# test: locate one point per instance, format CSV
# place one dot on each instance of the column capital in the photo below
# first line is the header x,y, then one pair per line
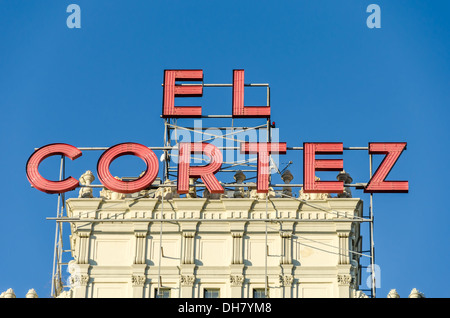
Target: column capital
x,y
237,280
187,280
138,280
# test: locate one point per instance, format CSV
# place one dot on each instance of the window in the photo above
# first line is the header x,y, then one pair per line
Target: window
x,y
211,293
259,293
163,293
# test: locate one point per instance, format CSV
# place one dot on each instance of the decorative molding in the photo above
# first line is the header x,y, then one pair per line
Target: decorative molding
x,y
237,248
79,280
286,248
344,280
416,294
140,234
138,280
188,255
393,294
83,247
359,294
236,234
344,257
140,247
286,280
237,280
187,280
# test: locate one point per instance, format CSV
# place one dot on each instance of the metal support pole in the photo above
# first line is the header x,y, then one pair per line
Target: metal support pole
x,y
372,247
160,244
56,269
166,144
266,292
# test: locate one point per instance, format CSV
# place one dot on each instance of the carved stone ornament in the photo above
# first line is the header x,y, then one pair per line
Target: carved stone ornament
x,y
65,294
262,196
237,280
286,280
138,280
187,280
344,280
359,294
8,294
31,294
393,294
79,280
212,196
168,191
416,294
313,196
111,195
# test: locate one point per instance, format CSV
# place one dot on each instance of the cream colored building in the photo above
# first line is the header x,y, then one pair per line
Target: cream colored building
x,y
237,245
240,244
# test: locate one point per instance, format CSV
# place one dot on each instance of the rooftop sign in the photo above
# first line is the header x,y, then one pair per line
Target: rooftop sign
x,y
263,150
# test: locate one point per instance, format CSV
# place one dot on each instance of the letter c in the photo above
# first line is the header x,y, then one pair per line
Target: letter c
x,y
42,184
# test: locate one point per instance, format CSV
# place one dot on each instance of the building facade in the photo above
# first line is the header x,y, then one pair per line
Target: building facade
x,y
239,244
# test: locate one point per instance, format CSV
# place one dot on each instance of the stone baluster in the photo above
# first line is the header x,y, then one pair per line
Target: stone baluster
x,y
86,180
192,189
345,177
287,178
239,177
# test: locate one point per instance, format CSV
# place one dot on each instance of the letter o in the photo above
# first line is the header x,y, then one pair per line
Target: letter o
x,y
119,150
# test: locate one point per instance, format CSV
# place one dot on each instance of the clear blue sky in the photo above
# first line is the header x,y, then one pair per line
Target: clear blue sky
x,y
332,79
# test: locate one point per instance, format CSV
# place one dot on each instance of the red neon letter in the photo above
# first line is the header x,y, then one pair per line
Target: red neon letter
x,y
40,182
392,150
119,150
171,91
263,149
206,173
239,110
311,165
